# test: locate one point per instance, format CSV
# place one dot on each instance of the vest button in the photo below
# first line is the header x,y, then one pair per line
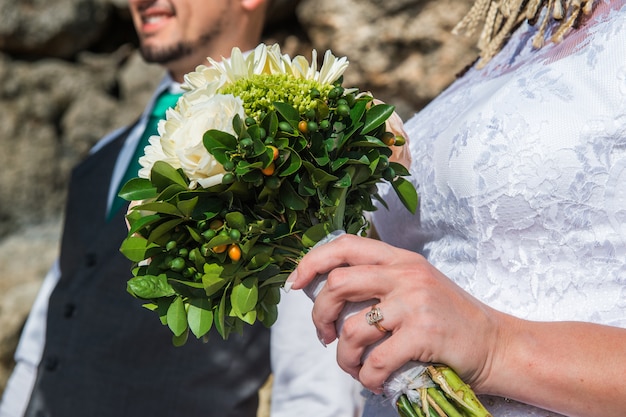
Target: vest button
x,y
51,363
69,310
90,259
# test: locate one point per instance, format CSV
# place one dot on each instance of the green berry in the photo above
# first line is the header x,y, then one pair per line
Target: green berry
x,y
208,234
229,165
178,264
235,234
228,178
246,143
285,127
343,110
389,174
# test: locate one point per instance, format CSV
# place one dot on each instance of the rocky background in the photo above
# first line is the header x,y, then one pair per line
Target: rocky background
x,y
70,72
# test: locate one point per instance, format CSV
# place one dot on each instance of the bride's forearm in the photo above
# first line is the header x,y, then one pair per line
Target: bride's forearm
x,y
574,368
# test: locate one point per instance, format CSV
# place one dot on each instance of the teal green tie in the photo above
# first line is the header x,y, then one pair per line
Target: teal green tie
x,y
162,103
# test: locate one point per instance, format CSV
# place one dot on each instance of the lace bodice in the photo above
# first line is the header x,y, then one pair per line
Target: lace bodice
x,y
521,171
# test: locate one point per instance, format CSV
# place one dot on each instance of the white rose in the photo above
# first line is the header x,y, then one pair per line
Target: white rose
x,y
180,142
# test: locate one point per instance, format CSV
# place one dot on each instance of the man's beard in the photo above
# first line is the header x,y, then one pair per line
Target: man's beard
x,y
166,54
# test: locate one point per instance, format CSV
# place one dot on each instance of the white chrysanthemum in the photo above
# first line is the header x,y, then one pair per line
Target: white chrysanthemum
x,y
204,106
180,137
208,80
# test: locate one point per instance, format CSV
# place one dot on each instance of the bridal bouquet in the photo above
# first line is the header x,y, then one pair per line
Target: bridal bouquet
x,y
262,157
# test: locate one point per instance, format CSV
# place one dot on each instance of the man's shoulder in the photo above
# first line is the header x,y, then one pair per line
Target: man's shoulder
x,y
111,136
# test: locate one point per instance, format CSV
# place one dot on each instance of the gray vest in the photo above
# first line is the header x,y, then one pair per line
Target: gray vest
x,y
107,356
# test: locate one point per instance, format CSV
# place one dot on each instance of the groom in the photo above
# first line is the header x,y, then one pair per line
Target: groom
x,y
89,348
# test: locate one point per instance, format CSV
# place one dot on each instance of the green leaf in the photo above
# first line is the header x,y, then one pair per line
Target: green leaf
x,y
177,317
171,191
161,207
236,220
216,139
270,316
194,233
186,288
163,229
270,123
306,187
407,193
276,279
199,317
399,169
162,305
137,221
150,287
245,167
319,177
212,279
244,296
369,141
220,240
239,126
293,163
288,112
338,163
186,207
220,318
163,175
249,317
314,234
135,247
344,181
357,111
376,116
138,189
179,341
290,198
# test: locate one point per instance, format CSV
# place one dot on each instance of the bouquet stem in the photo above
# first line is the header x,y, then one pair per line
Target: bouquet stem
x,y
450,397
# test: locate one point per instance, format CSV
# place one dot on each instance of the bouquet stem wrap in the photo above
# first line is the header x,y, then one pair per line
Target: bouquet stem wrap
x,y
416,389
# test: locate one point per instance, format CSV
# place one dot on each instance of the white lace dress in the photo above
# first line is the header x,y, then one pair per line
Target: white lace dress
x,y
521,171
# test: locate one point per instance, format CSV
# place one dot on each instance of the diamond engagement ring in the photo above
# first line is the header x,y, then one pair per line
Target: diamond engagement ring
x,y
374,316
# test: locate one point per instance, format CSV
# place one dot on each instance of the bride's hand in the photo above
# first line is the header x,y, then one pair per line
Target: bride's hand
x,y
430,318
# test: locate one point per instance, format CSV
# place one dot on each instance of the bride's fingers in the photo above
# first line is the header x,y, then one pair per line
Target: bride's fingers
x,y
345,250
350,284
357,335
384,359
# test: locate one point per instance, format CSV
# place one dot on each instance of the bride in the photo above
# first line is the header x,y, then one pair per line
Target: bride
x,y
514,270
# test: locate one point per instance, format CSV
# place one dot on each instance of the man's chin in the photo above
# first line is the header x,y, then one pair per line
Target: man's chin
x,y
164,55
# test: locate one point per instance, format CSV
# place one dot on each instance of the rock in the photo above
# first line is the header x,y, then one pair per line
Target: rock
x,y
401,50
58,28
24,260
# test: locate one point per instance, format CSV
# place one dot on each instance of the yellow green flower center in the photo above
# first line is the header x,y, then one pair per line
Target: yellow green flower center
x,y
259,91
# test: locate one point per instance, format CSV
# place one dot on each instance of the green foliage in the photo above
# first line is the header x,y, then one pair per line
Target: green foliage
x,y
217,257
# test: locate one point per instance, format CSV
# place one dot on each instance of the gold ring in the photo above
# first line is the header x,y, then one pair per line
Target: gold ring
x,y
374,316
380,327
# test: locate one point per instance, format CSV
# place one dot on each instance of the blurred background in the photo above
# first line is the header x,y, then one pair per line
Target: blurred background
x,y
70,72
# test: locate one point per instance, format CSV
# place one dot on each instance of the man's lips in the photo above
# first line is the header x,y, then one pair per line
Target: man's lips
x,y
153,18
